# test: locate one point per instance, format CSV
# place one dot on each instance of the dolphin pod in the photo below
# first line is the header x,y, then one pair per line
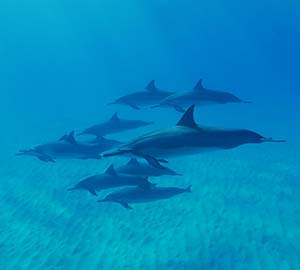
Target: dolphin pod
x,y
185,138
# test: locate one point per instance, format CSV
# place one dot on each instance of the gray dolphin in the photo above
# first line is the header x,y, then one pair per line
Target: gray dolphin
x,y
199,95
149,96
186,138
114,125
68,148
134,167
110,179
142,195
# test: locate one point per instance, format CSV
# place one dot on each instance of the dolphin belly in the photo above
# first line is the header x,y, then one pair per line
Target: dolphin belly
x,y
174,152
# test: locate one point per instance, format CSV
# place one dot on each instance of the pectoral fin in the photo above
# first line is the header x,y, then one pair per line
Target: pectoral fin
x,y
125,205
151,160
93,192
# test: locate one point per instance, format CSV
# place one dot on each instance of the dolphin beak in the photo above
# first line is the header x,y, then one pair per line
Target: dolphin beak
x,y
247,101
112,103
22,152
272,140
71,189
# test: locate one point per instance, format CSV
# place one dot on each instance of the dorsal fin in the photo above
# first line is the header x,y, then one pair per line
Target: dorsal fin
x,y
133,161
115,117
187,120
111,170
69,138
151,86
199,85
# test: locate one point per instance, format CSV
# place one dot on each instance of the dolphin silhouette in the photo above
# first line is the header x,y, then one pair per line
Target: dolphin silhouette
x,y
186,138
141,195
149,96
67,147
110,179
199,95
114,125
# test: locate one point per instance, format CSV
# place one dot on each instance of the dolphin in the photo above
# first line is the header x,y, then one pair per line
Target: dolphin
x,y
110,179
114,125
149,96
142,195
199,95
186,138
68,148
134,167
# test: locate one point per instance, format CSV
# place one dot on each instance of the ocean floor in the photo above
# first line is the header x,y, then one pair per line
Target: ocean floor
x,y
243,213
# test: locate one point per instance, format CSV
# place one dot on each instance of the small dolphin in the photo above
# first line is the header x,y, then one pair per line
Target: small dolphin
x,y
68,148
142,195
149,96
186,138
198,96
134,167
110,179
114,125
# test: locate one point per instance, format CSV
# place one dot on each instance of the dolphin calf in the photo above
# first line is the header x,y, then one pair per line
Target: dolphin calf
x,y
110,179
68,148
199,95
134,167
141,195
114,125
186,138
149,96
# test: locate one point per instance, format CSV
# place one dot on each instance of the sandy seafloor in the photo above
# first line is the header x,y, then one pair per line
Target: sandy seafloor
x,y
243,214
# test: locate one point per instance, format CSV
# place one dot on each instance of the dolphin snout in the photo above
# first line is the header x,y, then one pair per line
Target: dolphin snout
x,y
23,152
247,101
112,103
72,188
272,140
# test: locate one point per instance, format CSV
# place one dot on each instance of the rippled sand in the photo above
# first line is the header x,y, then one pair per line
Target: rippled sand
x,y
243,214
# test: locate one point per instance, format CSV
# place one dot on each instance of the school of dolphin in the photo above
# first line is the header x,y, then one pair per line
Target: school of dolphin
x,y
154,149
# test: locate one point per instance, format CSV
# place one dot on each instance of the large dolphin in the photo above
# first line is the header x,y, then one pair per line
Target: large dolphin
x,y
199,95
149,96
68,148
114,125
186,138
141,195
134,167
110,179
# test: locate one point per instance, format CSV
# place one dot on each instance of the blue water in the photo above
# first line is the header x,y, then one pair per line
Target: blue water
x,y
62,61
